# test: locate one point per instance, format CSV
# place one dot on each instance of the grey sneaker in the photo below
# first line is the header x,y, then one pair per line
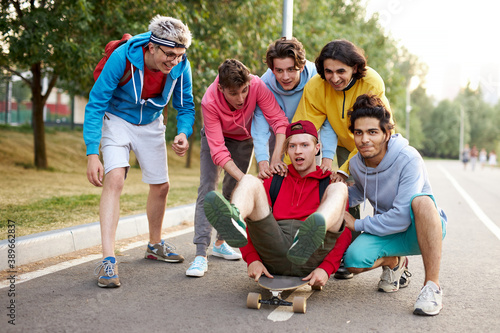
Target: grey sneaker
x,y
390,278
226,219
107,272
163,251
308,238
430,300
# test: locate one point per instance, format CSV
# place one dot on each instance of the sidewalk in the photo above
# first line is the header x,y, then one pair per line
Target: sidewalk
x,y
53,243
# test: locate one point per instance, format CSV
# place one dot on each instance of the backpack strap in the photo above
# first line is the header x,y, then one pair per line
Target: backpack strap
x,y
323,184
275,188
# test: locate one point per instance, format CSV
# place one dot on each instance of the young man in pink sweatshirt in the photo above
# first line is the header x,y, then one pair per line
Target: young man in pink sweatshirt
x,y
226,143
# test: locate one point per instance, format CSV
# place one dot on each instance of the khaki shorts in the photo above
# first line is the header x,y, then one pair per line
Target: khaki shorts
x,y
272,239
119,137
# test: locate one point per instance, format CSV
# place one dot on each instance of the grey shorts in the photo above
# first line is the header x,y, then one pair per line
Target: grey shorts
x,y
119,137
272,239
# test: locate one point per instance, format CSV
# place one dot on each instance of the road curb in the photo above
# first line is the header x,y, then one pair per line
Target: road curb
x,y
53,243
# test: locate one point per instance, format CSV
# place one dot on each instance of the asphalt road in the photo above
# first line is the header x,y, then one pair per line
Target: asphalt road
x,y
158,297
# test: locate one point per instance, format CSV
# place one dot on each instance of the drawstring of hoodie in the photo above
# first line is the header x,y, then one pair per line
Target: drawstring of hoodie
x,y
243,127
364,189
300,192
133,81
376,191
182,90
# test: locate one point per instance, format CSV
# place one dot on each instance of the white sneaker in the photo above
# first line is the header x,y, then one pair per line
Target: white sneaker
x,y
430,300
390,278
198,267
226,252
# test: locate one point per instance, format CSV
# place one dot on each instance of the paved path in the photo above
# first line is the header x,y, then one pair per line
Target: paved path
x,y
159,297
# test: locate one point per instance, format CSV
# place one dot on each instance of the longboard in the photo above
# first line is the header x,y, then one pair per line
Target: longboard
x,y
276,286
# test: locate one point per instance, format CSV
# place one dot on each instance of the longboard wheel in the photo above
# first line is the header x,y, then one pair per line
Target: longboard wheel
x,y
299,304
253,301
318,288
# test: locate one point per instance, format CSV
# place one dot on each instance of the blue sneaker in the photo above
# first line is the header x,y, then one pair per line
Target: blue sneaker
x,y
198,267
308,238
226,219
107,272
225,251
163,251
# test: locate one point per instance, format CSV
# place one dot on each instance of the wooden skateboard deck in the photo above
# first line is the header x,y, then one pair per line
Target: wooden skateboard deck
x,y
281,282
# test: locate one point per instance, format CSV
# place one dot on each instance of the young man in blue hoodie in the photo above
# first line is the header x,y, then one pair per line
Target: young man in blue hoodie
x,y
406,221
288,73
123,117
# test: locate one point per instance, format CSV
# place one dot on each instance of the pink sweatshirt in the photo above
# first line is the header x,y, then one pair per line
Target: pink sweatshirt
x,y
220,121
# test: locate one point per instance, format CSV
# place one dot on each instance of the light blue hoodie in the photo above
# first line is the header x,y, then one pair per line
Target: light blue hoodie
x,y
389,187
125,101
288,100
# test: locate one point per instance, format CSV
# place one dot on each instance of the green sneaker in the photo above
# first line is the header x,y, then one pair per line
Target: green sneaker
x,y
308,238
226,219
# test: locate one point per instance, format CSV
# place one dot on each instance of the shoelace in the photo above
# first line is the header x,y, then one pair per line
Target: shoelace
x,y
167,247
387,274
109,268
197,263
427,294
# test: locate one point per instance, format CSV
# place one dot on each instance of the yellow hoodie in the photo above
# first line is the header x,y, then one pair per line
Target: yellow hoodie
x,y
320,101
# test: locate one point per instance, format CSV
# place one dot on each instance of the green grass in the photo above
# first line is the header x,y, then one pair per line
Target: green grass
x,y
42,200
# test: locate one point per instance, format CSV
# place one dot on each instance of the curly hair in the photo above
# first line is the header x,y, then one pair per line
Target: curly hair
x,y
372,107
345,52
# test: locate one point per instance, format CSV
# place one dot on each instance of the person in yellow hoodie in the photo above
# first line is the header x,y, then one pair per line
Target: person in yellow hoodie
x,y
342,76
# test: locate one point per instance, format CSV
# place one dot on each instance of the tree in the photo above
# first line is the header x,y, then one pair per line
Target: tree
x,y
441,127
62,40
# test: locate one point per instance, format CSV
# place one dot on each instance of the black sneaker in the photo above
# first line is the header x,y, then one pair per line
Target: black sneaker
x,y
342,273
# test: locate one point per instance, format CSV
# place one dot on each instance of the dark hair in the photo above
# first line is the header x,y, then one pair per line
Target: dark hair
x,y
345,52
286,48
372,107
233,74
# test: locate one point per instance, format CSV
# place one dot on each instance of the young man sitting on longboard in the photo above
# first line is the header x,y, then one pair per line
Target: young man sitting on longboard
x,y
295,233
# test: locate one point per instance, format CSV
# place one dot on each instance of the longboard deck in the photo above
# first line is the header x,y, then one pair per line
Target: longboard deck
x,y
281,282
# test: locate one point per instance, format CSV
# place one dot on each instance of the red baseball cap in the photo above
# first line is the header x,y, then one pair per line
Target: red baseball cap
x,y
301,126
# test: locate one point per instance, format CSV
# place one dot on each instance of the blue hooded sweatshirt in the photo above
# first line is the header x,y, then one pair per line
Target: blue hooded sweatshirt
x,y
389,187
125,101
288,100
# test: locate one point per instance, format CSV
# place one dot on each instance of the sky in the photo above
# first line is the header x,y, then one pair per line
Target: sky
x,y
458,40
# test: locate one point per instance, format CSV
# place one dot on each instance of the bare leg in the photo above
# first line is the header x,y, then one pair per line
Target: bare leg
x,y
391,262
430,236
333,205
157,201
109,209
250,198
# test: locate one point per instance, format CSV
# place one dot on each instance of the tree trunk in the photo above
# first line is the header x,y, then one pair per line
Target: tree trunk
x,y
37,118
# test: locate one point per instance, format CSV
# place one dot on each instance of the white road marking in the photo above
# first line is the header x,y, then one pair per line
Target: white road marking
x,y
473,205
283,313
67,264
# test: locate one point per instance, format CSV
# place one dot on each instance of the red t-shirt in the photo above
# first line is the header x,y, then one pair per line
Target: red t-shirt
x,y
154,82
